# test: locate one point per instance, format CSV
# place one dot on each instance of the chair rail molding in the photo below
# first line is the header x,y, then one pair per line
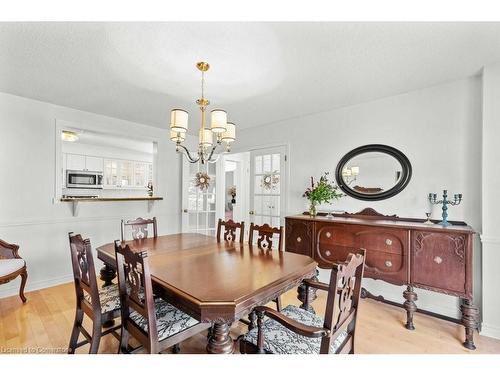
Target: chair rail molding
x,y
490,239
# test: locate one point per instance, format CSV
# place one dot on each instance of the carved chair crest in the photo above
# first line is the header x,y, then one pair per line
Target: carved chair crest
x,y
265,236
230,228
139,228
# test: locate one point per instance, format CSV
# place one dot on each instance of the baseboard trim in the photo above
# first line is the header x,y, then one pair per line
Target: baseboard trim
x,y
35,285
490,331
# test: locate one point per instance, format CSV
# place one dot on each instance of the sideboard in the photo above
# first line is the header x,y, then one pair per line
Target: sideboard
x,y
399,251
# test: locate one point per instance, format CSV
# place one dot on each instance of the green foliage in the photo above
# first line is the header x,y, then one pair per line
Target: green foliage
x,y
322,191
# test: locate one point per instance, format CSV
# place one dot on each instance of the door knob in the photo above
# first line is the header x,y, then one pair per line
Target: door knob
x,y
252,213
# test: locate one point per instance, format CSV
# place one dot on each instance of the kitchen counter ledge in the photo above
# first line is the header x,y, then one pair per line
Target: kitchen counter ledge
x,y
76,201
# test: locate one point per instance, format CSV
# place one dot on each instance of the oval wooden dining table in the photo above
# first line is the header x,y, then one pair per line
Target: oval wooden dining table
x,y
214,282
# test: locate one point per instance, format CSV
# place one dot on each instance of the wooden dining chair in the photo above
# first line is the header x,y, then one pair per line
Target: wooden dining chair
x,y
100,305
298,331
230,228
139,228
12,266
265,239
155,323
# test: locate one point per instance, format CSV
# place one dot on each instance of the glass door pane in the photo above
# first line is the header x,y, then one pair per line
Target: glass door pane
x,y
199,203
267,195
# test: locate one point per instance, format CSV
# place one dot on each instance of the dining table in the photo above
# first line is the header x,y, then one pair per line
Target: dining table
x,y
214,282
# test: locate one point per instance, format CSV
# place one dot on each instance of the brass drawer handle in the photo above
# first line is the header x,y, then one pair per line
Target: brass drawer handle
x,y
388,242
388,263
438,260
328,253
299,239
328,234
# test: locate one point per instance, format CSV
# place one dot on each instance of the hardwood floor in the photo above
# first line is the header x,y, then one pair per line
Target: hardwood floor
x,y
43,325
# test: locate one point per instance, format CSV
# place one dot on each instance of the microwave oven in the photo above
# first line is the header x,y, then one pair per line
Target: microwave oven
x,y
84,179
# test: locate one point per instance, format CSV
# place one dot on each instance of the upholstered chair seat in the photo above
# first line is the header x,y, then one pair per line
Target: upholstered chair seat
x,y
9,266
169,320
280,340
109,296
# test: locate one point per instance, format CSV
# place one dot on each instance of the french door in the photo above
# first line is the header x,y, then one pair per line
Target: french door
x,y
199,203
267,185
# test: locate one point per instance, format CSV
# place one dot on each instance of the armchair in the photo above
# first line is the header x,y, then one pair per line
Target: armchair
x,y
298,331
12,265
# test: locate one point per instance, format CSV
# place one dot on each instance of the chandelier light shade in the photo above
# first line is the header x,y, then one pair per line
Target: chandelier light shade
x,y
230,134
219,121
179,120
177,136
206,139
209,138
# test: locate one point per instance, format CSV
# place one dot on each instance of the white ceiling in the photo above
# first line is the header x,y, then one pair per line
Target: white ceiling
x,y
261,72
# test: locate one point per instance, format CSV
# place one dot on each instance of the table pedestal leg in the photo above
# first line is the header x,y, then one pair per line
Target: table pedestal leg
x,y
220,342
301,295
107,275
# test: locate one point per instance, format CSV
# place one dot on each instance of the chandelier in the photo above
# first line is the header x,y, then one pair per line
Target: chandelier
x,y
220,130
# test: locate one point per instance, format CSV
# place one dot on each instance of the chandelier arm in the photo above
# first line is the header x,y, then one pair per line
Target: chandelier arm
x,y
212,151
187,153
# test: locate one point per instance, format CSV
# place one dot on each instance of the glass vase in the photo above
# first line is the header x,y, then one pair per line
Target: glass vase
x,y
312,210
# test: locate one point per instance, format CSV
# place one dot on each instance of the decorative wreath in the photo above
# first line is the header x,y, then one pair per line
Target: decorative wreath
x,y
202,180
269,181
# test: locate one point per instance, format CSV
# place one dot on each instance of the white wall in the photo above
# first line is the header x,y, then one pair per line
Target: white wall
x,y
105,152
439,130
28,215
490,202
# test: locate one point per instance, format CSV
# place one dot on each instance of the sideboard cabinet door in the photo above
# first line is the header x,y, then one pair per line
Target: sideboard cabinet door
x,y
439,262
299,236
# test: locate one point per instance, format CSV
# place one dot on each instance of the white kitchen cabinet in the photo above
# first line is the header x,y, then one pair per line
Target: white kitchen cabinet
x,y
94,164
75,162
84,163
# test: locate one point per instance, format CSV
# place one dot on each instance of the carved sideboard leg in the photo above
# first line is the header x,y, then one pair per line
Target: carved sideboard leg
x,y
220,342
301,295
470,315
410,296
107,275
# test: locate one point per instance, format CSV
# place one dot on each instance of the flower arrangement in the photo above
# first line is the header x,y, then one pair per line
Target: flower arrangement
x,y
323,191
232,192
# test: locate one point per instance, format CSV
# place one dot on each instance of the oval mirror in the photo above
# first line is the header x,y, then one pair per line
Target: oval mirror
x,y
373,172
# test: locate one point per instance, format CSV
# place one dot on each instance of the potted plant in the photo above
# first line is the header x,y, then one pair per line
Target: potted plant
x,y
323,191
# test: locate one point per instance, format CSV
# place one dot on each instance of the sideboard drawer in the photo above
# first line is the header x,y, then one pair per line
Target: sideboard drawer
x,y
386,249
381,239
439,261
299,237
